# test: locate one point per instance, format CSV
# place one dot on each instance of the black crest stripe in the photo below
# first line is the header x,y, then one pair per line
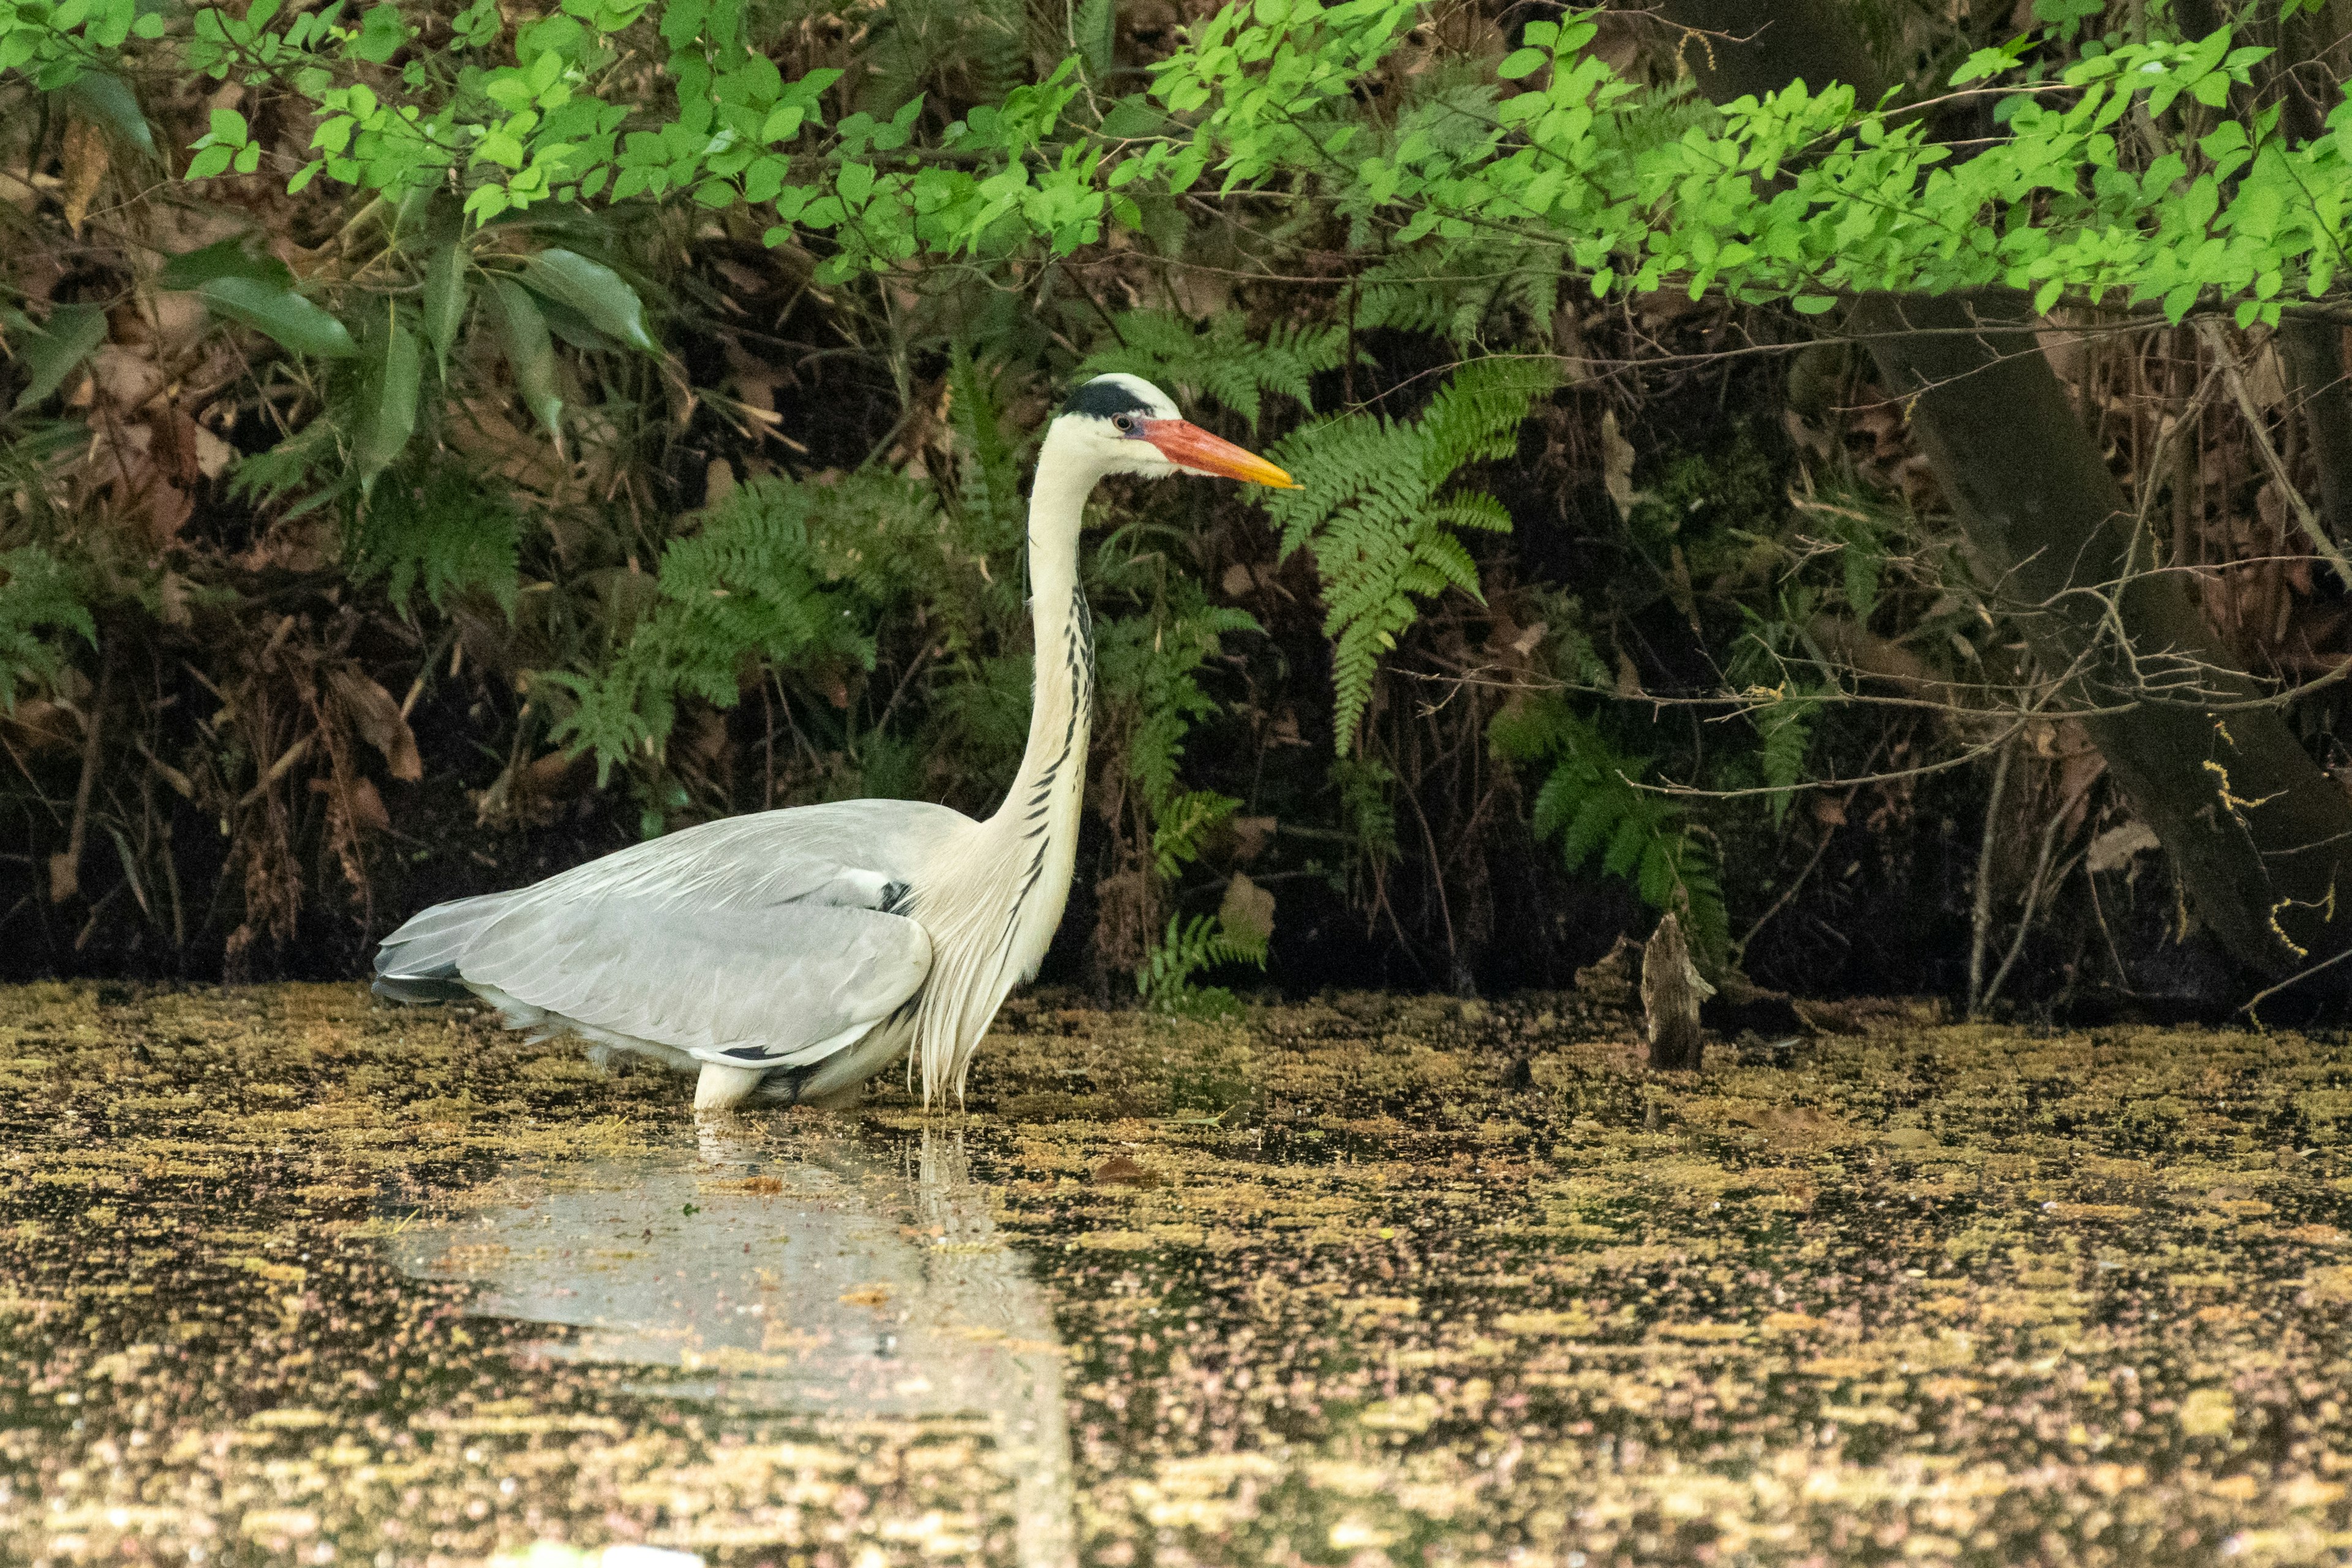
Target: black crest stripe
x,y
1103,399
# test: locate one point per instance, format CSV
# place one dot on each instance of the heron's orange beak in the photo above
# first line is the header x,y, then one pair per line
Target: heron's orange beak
x,y
1189,448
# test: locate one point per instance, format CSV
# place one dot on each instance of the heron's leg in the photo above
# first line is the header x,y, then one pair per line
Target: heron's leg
x,y
721,1088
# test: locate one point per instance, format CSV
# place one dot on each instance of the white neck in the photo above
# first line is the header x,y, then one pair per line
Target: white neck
x,y
1053,763
993,919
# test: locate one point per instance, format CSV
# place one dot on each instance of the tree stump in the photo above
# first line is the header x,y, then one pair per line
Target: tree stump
x,y
1672,989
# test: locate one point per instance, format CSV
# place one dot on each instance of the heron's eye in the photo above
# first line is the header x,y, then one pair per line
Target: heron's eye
x,y
1122,422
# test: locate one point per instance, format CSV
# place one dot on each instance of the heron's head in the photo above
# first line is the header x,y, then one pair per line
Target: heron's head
x,y
1124,425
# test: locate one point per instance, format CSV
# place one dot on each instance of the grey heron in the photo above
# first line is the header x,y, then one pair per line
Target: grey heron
x,y
790,955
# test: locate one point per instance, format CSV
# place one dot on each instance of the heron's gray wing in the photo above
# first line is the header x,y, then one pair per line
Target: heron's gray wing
x,y
419,963
738,982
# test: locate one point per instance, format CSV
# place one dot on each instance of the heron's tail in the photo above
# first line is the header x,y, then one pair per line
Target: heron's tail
x,y
419,963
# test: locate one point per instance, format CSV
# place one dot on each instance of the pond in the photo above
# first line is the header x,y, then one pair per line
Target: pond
x,y
290,1278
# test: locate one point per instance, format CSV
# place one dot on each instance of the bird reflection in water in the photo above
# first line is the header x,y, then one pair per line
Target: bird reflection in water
x,y
825,1275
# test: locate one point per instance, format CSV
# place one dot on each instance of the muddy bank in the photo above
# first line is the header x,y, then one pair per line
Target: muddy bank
x,y
286,1277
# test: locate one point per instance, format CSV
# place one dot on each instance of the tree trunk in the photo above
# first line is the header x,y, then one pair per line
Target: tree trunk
x,y
2258,833
2313,350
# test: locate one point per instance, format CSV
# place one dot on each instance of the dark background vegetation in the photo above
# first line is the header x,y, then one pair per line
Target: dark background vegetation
x,y
295,714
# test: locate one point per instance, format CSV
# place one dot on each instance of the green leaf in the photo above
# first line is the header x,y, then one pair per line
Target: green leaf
x,y
388,404
445,299
531,354
596,291
380,36
105,98
223,259
1522,62
49,354
281,313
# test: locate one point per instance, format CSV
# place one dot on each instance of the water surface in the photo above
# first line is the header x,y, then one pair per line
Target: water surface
x,y
288,1278
767,1269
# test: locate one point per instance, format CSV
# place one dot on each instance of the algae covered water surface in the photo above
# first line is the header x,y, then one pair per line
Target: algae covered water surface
x,y
288,1278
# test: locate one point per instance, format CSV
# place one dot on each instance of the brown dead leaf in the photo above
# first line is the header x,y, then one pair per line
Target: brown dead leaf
x,y
528,797
125,377
168,508
717,481
1119,1170
1617,464
85,161
1247,908
39,726
174,594
2119,845
174,445
361,802
213,455
1250,836
377,718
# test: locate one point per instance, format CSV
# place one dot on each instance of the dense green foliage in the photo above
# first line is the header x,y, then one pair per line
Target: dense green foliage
x,y
652,383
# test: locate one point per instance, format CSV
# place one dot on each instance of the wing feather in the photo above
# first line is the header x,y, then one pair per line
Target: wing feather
x,y
788,984
761,938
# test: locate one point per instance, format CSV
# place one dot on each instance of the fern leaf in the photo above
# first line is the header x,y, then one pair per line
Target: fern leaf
x,y
1787,729
1094,27
745,590
1374,510
1590,804
1598,812
39,598
447,533
1631,836
1222,359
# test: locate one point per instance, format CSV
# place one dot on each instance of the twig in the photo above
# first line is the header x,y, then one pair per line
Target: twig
x,y
278,770
1981,918
65,868
2032,899
2210,331
2259,997
1829,831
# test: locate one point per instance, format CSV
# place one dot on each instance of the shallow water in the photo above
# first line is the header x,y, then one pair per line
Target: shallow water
x,y
763,1268
288,1278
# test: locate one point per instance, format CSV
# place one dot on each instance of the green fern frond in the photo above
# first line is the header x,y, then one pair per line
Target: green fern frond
x,y
1769,664
1187,947
39,597
275,476
1478,413
1372,506
446,533
1179,827
970,51
987,488
1589,802
1462,291
1786,729
1367,810
747,588
1094,28
1148,666
1224,360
